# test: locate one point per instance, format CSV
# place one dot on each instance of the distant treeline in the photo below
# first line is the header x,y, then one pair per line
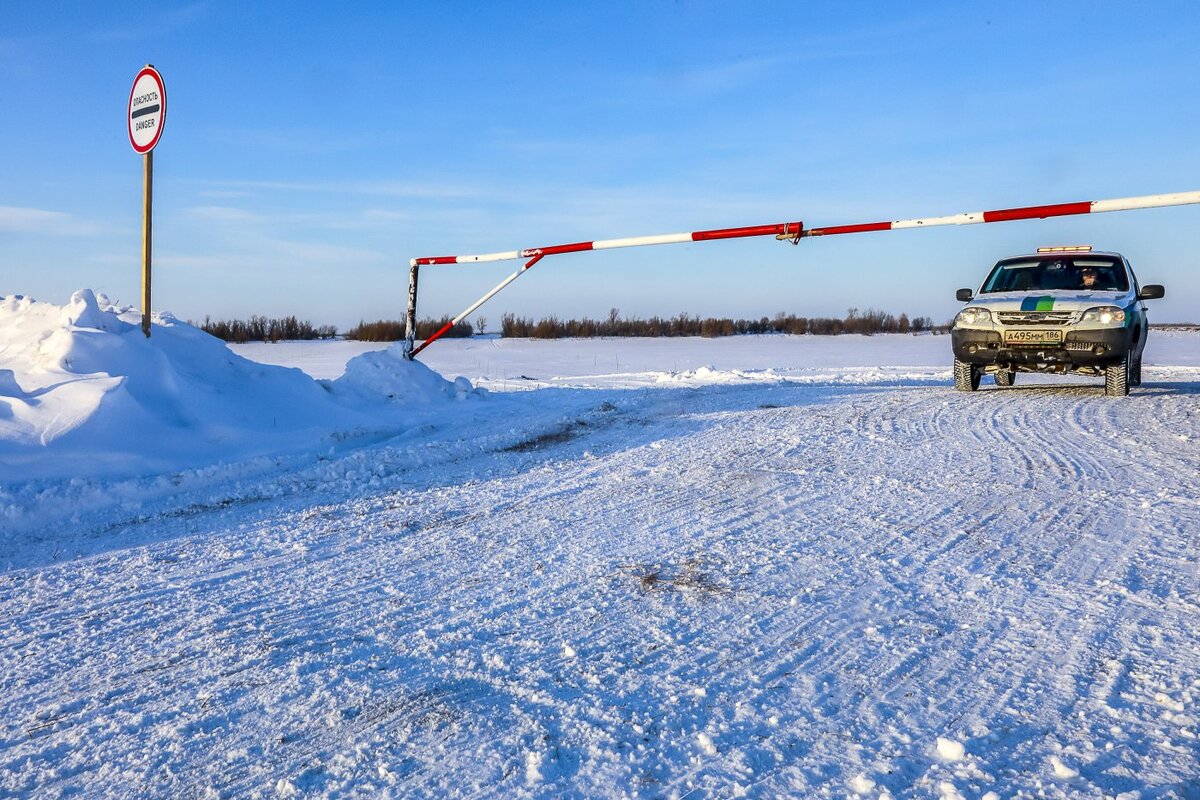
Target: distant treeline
x,y
387,330
855,321
264,329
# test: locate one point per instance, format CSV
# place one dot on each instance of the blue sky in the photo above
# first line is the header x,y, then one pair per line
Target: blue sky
x,y
311,149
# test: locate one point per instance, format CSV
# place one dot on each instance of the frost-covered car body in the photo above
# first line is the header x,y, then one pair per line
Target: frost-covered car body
x,y
1057,310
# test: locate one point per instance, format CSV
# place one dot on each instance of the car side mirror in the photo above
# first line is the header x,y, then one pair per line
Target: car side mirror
x,y
966,295
1151,291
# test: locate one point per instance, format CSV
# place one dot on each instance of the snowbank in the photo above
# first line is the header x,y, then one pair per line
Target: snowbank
x,y
387,375
84,393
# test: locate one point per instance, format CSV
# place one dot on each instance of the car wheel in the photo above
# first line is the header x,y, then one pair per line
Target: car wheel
x,y
1006,377
966,376
1116,378
1135,373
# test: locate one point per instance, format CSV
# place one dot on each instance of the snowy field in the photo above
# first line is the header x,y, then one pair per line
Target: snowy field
x,y
763,566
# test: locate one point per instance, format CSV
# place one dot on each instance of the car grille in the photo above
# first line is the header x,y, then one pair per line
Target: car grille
x,y
1034,317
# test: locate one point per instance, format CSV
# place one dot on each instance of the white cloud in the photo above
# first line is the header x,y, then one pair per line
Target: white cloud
x,y
223,214
726,77
386,188
322,253
219,194
37,220
364,219
154,23
197,262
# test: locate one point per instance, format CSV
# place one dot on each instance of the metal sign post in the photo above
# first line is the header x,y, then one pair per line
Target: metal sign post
x,y
785,231
145,117
147,223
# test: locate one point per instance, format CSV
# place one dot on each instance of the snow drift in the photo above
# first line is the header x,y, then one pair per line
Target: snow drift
x,y
84,393
387,375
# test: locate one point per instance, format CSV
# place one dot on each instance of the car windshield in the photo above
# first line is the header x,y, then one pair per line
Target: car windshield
x,y
1037,274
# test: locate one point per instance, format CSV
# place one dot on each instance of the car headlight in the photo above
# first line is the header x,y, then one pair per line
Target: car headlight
x,y
973,316
1104,315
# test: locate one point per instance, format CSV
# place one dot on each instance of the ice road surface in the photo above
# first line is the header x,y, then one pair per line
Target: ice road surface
x,y
769,567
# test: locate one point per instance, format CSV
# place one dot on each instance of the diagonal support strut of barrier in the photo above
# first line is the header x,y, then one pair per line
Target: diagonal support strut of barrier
x,y
467,311
786,231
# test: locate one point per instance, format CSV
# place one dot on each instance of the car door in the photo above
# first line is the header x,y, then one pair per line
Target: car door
x,y
1138,309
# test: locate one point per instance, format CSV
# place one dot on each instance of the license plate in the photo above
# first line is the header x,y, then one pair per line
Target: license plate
x,y
1033,337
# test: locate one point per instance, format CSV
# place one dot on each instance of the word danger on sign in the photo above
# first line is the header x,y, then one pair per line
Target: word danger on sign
x,y
147,110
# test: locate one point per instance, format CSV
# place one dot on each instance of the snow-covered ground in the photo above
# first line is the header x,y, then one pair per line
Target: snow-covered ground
x,y
516,364
772,566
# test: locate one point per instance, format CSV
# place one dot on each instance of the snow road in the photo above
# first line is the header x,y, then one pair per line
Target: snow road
x,y
770,588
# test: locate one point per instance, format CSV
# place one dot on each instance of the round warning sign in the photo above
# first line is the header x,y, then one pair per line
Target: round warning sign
x,y
147,109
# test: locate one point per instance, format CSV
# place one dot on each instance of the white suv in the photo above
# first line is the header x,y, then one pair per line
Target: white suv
x,y
1061,309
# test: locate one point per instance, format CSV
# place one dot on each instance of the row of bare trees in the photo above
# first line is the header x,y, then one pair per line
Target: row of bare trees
x,y
263,329
855,321
266,329
392,330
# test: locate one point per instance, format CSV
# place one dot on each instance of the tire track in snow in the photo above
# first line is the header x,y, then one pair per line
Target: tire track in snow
x,y
900,511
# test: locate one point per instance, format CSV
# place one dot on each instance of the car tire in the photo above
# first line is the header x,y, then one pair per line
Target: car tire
x,y
966,376
1006,377
1135,373
1116,378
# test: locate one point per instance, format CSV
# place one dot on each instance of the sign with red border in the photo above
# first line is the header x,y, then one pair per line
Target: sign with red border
x,y
147,110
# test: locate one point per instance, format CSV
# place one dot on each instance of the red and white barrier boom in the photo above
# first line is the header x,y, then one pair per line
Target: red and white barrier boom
x,y
785,231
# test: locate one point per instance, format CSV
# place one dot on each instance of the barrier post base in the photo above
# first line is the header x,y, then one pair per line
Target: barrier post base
x,y
410,319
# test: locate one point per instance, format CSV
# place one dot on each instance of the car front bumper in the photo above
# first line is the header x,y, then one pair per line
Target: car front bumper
x,y
1090,348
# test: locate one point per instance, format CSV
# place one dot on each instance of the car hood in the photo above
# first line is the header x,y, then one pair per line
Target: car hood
x,y
1051,301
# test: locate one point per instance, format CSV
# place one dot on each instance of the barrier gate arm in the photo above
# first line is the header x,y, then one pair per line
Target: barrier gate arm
x,y
786,231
